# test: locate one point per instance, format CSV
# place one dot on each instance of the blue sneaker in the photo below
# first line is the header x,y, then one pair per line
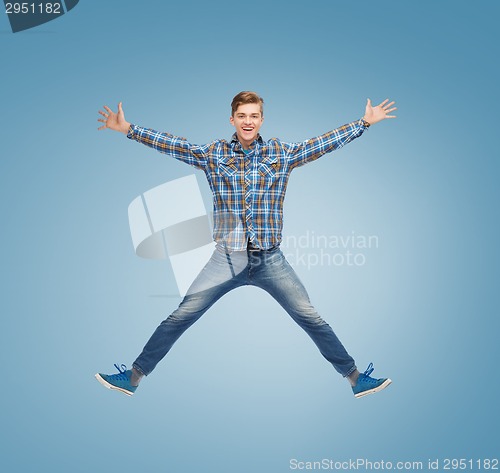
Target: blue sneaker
x,y
367,385
120,381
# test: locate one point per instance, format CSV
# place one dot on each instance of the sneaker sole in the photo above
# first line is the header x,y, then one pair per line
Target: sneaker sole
x,y
110,386
374,390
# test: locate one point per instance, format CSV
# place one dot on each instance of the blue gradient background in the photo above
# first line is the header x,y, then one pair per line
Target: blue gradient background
x,y
245,390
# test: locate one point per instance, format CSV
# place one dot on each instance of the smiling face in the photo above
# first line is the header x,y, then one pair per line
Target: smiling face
x,y
247,119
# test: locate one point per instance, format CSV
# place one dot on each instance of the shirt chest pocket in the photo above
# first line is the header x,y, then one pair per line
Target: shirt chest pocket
x,y
268,168
227,167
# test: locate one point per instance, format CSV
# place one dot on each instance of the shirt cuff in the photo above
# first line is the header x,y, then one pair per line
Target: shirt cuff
x,y
364,124
131,132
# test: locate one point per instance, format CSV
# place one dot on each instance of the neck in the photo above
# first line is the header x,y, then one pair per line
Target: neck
x,y
244,144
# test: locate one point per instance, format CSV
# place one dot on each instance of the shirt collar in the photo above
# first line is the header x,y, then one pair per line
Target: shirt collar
x,y
234,139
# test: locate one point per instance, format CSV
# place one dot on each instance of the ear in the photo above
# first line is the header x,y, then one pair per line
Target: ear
x,y
231,120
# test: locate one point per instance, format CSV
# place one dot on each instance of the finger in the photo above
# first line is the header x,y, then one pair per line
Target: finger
x,y
384,102
108,109
368,103
390,104
391,109
102,127
101,120
390,116
120,107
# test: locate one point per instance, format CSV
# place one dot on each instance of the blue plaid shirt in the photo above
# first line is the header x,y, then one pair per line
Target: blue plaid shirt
x,y
248,188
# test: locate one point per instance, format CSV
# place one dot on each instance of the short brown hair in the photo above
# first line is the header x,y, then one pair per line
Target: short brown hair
x,y
246,97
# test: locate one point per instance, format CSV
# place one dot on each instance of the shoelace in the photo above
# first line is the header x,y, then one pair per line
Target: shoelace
x,y
367,374
121,372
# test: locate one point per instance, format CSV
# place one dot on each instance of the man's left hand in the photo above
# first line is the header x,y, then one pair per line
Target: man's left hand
x,y
379,112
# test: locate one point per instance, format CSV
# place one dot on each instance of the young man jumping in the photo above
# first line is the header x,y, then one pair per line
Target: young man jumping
x,y
248,178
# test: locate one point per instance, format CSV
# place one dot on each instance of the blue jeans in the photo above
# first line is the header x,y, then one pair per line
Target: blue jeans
x,y
267,269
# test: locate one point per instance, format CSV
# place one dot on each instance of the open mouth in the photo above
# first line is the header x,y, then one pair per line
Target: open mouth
x,y
248,129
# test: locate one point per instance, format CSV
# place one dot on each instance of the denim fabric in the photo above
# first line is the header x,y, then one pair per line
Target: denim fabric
x,y
267,269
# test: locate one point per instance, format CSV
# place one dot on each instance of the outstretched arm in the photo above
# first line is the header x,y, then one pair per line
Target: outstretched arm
x,y
378,113
302,153
175,146
114,121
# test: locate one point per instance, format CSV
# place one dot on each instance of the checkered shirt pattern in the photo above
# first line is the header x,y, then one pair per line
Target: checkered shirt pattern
x,y
248,188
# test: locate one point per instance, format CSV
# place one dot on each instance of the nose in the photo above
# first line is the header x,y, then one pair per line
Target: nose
x,y
247,120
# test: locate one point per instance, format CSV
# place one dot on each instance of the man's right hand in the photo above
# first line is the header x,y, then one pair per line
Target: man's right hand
x,y
114,121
